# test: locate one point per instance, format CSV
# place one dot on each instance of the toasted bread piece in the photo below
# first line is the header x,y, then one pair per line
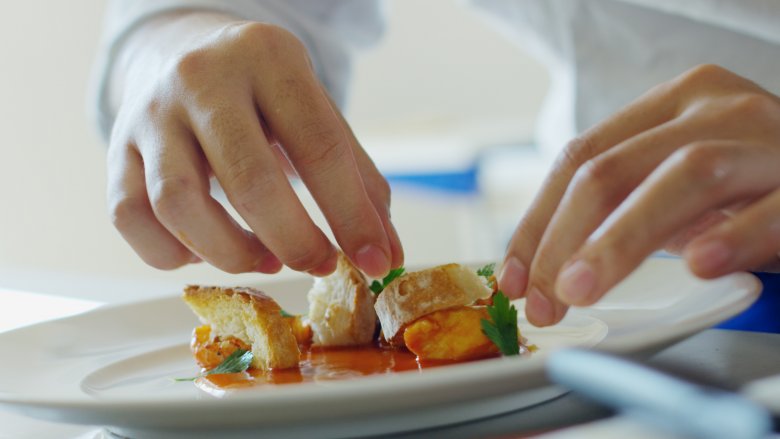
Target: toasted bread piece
x,y
450,334
248,315
341,307
416,294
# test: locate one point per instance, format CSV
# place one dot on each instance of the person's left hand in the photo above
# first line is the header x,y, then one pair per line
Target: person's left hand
x,y
693,165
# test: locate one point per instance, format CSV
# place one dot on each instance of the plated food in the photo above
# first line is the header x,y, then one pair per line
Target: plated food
x,y
440,315
113,366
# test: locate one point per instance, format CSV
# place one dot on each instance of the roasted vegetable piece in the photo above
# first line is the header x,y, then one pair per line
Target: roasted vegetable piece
x,y
210,353
453,334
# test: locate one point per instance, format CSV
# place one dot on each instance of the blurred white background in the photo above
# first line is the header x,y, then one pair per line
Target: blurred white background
x,y
457,86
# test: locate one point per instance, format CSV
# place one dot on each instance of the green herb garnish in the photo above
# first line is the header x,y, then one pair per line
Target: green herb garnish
x,y
285,313
377,287
501,329
238,361
487,272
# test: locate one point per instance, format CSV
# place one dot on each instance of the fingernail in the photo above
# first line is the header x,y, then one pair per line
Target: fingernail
x,y
327,267
194,259
576,283
538,308
710,256
512,278
373,261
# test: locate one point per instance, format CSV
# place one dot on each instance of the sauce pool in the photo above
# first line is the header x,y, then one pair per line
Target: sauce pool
x,y
328,364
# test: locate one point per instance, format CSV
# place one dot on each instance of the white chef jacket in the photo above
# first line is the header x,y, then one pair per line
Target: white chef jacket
x,y
601,54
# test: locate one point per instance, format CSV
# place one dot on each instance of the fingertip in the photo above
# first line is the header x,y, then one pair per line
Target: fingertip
x,y
373,260
166,256
327,267
576,284
512,278
539,309
708,258
270,264
560,312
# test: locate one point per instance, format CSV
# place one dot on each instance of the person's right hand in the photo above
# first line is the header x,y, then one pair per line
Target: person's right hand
x,y
203,95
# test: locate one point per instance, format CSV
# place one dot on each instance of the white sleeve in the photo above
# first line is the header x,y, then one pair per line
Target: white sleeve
x,y
330,29
755,18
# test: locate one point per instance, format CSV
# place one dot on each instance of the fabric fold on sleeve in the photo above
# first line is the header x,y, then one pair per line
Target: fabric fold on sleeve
x,y
757,19
331,30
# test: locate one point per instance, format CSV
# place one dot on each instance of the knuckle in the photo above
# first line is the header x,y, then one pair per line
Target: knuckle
x,y
702,74
596,181
245,177
326,148
257,32
578,151
594,173
190,66
704,164
275,42
171,196
153,109
124,211
383,191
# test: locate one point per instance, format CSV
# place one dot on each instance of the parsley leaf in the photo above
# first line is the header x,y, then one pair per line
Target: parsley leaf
x,y
377,287
285,313
501,329
488,272
238,361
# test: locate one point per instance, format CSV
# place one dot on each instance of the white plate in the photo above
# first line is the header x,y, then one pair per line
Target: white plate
x,y
766,392
114,366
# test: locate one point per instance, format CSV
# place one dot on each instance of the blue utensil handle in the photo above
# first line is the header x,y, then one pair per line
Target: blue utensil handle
x,y
657,398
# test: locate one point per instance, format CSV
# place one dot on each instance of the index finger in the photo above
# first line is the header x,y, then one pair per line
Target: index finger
x,y
652,109
299,113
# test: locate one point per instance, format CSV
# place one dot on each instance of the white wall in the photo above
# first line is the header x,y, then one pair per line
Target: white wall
x,y
51,186
442,70
423,81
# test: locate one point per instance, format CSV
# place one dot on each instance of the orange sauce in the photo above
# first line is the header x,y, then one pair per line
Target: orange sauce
x,y
327,364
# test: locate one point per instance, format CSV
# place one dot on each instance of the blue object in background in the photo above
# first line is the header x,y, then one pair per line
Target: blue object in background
x,y
461,181
764,315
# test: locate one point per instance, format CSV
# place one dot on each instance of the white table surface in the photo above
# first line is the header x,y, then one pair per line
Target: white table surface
x,y
727,359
